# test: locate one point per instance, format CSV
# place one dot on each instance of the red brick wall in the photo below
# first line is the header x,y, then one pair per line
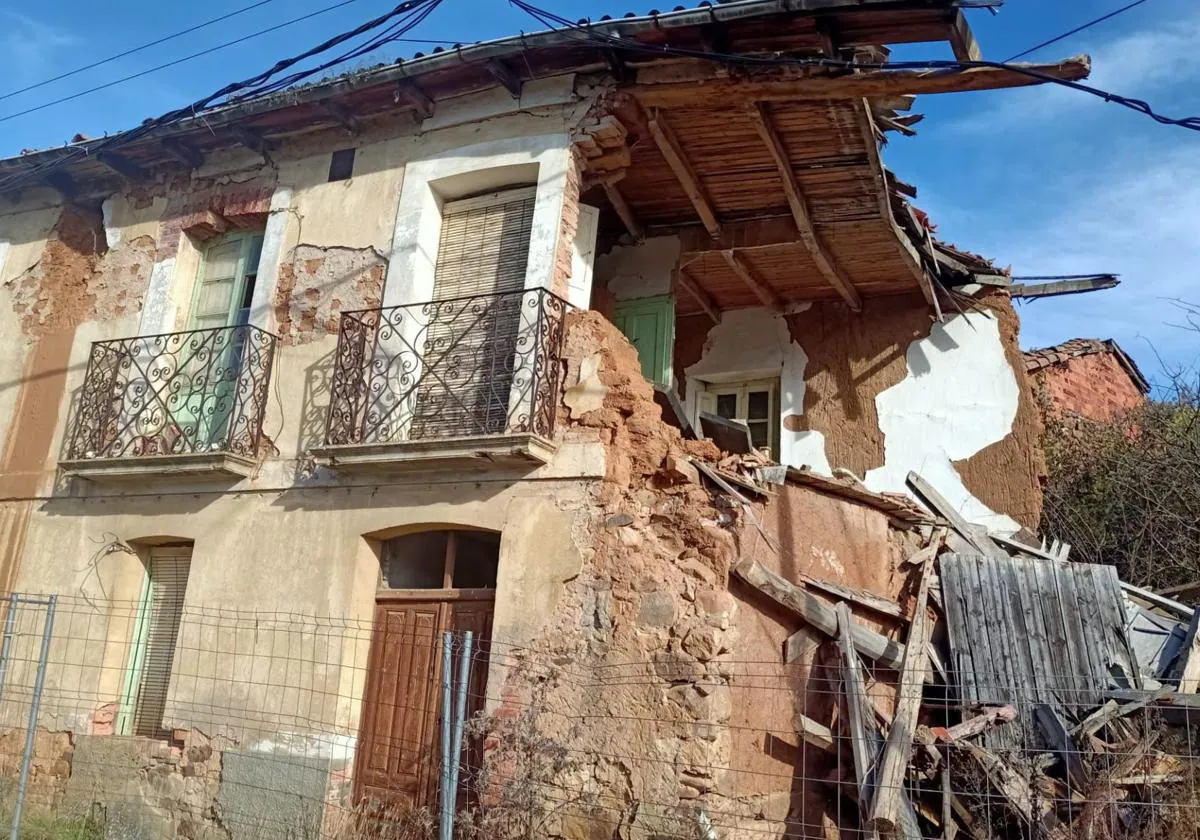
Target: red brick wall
x,y
1095,387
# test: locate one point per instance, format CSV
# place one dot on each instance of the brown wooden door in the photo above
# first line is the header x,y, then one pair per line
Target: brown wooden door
x,y
399,747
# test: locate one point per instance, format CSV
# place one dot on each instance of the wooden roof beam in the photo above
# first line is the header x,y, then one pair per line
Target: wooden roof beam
x,y
624,211
668,144
252,140
127,169
869,83
505,75
63,184
801,215
418,100
904,246
343,116
182,151
690,285
760,287
962,39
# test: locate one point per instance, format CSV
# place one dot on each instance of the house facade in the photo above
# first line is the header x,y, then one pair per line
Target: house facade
x,y
1087,377
385,349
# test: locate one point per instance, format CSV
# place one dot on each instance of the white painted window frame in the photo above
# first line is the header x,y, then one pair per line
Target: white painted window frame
x,y
742,389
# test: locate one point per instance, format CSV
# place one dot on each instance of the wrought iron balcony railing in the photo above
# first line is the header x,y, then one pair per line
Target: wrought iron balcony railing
x,y
462,367
203,391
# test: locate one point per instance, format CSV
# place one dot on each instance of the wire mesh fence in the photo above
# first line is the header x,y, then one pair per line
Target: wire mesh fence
x,y
277,725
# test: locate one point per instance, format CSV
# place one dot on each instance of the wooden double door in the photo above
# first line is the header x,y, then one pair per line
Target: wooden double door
x,y
399,750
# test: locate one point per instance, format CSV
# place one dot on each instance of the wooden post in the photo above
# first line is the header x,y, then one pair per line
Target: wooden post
x,y
885,815
858,716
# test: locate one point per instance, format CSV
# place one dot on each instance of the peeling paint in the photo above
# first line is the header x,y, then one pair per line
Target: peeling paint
x,y
960,395
318,284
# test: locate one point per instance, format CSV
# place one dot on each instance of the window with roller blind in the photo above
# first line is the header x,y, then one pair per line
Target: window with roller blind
x,y
152,656
471,339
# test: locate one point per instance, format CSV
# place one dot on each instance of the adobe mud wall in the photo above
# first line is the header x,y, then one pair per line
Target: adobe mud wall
x,y
886,391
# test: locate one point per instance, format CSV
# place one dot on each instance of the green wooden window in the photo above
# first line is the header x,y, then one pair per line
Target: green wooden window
x,y
225,286
649,324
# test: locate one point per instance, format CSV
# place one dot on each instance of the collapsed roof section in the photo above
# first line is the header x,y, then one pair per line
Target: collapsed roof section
x,y
770,170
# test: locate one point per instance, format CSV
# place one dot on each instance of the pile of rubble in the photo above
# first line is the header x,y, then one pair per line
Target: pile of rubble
x,y
1033,696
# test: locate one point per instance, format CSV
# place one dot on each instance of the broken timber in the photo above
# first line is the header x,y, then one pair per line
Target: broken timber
x,y
868,83
885,811
858,716
819,613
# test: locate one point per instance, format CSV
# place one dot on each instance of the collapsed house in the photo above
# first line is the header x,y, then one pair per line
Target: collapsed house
x,y
640,367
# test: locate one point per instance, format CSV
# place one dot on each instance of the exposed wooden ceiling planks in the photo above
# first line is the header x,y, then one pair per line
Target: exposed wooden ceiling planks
x,y
761,117
671,149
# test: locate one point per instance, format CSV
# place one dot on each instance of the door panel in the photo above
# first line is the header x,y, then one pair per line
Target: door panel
x,y
649,324
399,747
399,718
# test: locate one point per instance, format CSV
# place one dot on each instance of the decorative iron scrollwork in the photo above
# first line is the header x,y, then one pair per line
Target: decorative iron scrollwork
x,y
475,365
174,394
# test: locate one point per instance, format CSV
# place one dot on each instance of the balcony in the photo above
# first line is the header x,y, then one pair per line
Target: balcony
x,y
463,382
189,403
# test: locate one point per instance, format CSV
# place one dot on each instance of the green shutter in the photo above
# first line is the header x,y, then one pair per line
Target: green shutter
x,y
649,324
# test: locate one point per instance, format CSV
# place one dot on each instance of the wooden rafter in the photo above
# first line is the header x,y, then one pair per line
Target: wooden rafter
x,y
869,83
801,215
252,139
962,39
693,288
668,144
624,211
760,287
183,152
904,246
125,168
505,75
416,99
343,116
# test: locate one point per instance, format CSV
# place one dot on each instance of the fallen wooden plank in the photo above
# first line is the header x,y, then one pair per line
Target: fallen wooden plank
x,y
885,813
819,613
858,715
1110,711
1187,672
981,542
1062,744
815,734
977,725
869,600
1157,600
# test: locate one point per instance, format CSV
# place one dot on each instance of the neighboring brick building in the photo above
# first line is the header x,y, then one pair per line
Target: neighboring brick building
x,y
1089,377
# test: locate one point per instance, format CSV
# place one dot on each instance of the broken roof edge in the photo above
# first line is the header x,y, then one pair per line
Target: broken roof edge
x,y
1076,348
901,507
439,59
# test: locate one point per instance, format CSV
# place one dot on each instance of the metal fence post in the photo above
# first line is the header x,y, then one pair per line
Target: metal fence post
x,y
6,647
34,705
445,801
460,714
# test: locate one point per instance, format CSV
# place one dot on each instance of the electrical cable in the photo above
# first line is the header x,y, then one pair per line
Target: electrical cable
x,y
1076,30
560,24
137,49
251,85
172,63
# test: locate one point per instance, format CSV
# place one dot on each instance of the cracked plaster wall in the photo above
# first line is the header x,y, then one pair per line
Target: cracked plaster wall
x,y
884,393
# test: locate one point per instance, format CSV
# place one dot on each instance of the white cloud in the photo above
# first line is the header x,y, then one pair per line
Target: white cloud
x,y
1135,64
1136,214
31,48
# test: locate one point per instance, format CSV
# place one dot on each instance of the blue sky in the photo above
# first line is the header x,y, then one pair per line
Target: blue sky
x,y
1046,180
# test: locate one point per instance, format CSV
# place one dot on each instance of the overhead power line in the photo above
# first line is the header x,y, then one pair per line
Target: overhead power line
x,y
173,63
1077,30
137,49
410,14
561,24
